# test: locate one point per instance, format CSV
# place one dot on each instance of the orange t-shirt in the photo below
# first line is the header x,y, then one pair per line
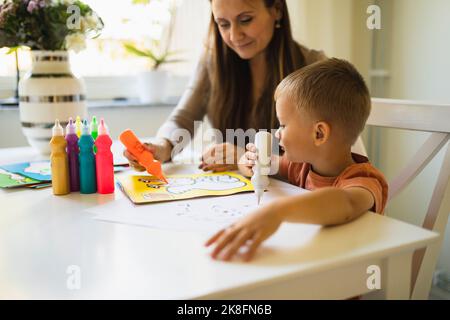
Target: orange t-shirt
x,y
360,174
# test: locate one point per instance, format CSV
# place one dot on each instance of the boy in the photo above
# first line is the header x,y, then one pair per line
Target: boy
x,y
322,110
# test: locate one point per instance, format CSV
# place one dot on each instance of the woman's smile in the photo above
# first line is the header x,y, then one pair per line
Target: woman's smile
x,y
244,46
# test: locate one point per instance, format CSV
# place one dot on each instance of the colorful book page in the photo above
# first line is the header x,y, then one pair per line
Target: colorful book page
x,y
148,189
14,180
39,170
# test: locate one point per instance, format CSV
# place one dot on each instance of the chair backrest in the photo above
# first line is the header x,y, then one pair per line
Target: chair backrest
x,y
435,119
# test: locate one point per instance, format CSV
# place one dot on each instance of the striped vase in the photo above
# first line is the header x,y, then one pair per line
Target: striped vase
x,y
49,91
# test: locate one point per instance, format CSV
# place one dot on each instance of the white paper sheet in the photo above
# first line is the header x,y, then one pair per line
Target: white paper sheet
x,y
203,215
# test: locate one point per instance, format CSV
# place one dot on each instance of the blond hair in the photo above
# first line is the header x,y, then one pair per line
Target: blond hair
x,y
333,91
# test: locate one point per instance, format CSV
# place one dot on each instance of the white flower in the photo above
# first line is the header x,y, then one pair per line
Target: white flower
x,y
92,22
67,2
76,42
89,25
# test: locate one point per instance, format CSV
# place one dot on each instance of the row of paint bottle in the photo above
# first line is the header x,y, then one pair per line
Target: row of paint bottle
x,y
82,159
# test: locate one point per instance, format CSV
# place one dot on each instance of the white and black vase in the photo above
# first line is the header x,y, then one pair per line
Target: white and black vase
x,y
49,91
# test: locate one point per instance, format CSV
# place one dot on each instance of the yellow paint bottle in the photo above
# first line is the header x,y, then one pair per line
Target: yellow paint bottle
x,y
78,125
59,161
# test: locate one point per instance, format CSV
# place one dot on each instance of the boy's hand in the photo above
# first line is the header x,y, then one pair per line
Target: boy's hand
x,y
248,160
161,151
221,157
250,231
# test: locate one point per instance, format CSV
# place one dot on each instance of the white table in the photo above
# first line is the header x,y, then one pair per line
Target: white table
x,y
42,236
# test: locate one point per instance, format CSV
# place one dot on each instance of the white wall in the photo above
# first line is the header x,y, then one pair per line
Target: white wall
x,y
190,30
420,69
323,25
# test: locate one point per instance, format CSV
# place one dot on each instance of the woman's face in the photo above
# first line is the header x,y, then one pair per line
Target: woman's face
x,y
246,26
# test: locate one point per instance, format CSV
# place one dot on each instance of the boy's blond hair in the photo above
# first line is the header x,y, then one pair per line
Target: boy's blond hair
x,y
333,91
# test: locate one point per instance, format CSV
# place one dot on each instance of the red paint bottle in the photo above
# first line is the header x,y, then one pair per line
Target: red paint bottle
x,y
104,161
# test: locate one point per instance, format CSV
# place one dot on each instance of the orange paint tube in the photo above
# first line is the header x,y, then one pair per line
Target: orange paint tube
x,y
143,156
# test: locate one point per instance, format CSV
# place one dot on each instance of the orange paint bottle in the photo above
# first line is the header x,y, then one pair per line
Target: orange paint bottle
x,y
143,156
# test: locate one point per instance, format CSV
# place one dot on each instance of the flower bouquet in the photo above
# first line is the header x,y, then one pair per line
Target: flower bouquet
x,y
48,25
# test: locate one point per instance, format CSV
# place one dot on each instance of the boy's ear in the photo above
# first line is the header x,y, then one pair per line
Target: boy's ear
x,y
322,131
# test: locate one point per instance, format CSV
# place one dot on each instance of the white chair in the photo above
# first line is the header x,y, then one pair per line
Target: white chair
x,y
435,119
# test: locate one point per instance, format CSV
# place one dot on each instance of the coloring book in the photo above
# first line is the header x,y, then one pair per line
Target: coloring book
x,y
14,180
38,170
148,189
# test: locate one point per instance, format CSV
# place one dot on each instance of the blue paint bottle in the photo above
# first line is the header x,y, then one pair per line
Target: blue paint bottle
x,y
88,182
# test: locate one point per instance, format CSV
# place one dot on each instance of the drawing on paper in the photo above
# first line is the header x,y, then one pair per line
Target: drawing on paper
x,y
211,183
218,214
148,189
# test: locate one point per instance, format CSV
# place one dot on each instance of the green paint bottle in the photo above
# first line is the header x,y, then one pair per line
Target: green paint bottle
x,y
94,130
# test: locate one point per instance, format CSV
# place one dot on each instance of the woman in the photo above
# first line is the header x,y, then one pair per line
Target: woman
x,y
249,51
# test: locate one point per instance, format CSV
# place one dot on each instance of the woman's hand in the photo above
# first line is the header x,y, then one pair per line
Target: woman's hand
x,y
249,232
160,149
248,160
221,157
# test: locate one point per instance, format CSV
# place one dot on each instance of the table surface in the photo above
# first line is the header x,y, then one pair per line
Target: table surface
x,y
42,236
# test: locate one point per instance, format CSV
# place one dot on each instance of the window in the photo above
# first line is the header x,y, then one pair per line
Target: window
x,y
106,63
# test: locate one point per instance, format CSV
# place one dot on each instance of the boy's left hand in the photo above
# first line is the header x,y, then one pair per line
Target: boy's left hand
x,y
250,231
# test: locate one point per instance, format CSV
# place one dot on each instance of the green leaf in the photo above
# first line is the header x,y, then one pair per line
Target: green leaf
x,y
141,2
140,53
147,53
13,49
152,56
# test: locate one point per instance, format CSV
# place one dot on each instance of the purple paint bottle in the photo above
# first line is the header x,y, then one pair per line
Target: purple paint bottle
x,y
72,153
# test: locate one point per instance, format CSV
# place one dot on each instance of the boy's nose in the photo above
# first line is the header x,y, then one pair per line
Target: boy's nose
x,y
278,134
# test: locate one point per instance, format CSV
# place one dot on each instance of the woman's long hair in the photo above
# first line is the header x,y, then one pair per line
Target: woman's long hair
x,y
230,105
